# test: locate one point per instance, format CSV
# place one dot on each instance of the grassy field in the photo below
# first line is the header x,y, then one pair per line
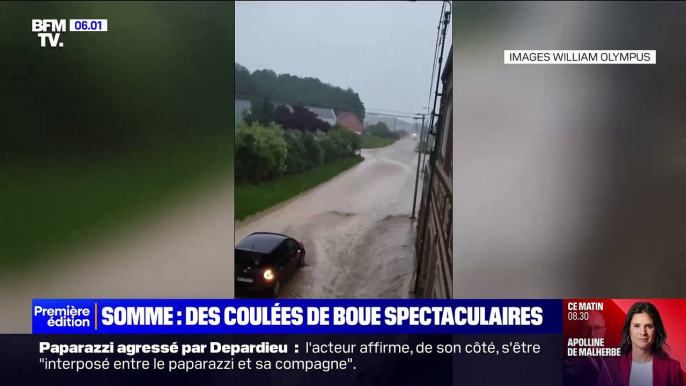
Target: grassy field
x,y
374,142
252,199
49,208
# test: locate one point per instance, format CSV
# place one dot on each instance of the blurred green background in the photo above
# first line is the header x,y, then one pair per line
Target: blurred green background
x,y
111,126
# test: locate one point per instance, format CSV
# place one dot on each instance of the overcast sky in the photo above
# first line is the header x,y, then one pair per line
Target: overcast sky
x,y
382,50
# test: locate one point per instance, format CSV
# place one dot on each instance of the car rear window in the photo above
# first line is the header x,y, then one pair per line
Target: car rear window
x,y
249,258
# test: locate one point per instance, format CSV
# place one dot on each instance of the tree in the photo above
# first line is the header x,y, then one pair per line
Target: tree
x,y
261,111
300,119
381,130
284,117
293,90
245,85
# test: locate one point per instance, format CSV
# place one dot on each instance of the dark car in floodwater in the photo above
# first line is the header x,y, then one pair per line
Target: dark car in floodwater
x,y
265,261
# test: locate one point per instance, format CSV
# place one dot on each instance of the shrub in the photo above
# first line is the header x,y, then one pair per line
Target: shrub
x,y
346,142
261,152
338,143
313,149
355,142
267,152
296,160
328,146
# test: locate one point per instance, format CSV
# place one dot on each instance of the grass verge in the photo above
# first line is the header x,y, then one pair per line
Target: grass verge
x,y
45,209
252,199
374,142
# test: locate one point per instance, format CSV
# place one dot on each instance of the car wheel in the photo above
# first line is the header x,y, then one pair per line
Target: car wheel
x,y
276,290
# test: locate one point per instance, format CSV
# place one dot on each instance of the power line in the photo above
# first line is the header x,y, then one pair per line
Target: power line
x,y
391,111
331,107
391,115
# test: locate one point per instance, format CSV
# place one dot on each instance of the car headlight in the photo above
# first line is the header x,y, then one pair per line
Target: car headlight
x,y
268,274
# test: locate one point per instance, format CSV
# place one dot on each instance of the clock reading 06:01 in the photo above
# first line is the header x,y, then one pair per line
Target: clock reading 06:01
x,y
577,315
87,25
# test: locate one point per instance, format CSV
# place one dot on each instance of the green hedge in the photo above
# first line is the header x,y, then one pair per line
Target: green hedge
x,y
264,153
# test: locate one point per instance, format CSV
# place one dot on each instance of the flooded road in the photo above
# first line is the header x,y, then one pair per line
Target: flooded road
x,y
356,229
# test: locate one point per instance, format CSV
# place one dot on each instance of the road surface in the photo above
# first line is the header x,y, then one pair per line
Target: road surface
x,y
356,229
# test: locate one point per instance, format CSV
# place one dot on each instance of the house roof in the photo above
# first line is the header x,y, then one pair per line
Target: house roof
x,y
322,112
350,121
241,105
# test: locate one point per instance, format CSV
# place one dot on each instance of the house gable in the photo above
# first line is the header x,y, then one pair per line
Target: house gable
x,y
350,122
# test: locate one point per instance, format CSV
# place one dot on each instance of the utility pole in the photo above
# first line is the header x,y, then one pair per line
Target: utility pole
x,y
419,157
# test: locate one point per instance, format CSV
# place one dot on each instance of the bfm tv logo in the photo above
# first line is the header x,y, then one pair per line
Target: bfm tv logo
x,y
52,25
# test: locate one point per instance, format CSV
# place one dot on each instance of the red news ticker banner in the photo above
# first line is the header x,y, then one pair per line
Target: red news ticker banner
x,y
592,331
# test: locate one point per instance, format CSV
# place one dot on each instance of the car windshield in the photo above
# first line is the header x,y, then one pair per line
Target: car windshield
x,y
249,258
